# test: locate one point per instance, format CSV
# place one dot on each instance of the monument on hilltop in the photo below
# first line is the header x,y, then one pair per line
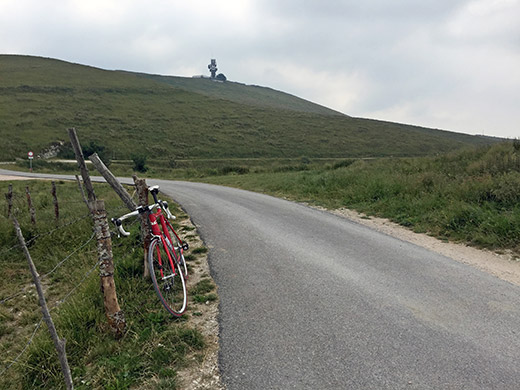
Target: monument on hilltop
x,y
213,68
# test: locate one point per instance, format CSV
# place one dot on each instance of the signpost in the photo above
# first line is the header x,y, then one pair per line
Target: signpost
x,y
31,156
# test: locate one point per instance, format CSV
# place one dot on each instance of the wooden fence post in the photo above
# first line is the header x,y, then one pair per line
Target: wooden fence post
x,y
56,207
81,190
81,164
142,192
115,316
9,198
30,205
114,183
59,344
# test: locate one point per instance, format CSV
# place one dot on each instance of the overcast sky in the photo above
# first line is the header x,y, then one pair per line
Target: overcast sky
x,y
448,64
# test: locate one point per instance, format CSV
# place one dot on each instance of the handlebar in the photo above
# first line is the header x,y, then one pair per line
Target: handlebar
x,y
154,190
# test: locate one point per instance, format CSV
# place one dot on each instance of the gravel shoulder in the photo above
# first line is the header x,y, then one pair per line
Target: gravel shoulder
x,y
505,266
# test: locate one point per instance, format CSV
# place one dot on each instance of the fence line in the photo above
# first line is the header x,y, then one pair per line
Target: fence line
x,y
19,203
49,232
85,276
69,256
59,264
56,305
15,360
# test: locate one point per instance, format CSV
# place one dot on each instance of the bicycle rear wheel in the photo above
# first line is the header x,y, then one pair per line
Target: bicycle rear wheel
x,y
169,283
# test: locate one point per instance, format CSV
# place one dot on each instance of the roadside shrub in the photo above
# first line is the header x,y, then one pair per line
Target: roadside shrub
x,y
343,163
463,217
507,189
291,168
516,145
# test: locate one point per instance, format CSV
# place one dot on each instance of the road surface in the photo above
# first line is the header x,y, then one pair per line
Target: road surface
x,y
310,300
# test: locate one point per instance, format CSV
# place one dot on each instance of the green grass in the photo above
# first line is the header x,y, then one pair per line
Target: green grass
x,y
97,360
202,291
195,119
471,196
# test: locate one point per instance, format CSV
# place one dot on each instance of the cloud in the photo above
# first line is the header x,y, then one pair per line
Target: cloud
x,y
451,64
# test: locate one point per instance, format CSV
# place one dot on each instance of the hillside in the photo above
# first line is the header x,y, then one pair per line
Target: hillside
x,y
185,118
252,95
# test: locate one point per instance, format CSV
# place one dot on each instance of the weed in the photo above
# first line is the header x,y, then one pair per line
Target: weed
x,y
200,298
202,287
198,250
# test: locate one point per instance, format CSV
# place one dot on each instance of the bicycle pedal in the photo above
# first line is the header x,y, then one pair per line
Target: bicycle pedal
x,y
185,246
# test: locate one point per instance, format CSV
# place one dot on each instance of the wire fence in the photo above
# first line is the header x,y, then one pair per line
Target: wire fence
x,y
65,226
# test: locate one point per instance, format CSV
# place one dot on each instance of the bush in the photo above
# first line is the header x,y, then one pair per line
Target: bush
x,y
67,152
507,189
237,170
139,161
343,163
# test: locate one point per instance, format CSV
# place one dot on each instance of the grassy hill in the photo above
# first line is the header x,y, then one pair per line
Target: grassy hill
x,y
171,117
252,95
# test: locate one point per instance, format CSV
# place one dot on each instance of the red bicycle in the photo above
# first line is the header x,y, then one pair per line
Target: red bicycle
x,y
165,255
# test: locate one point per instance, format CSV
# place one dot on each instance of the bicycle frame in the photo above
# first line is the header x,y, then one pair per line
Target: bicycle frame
x,y
156,219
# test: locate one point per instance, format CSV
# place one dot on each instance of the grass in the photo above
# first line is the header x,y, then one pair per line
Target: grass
x,y
471,196
195,119
97,360
252,95
202,291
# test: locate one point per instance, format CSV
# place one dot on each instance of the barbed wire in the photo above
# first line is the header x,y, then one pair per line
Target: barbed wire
x,y
59,264
15,360
55,306
69,256
85,276
3,300
47,233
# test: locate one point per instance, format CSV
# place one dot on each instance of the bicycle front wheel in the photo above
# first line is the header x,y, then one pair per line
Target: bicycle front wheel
x,y
168,282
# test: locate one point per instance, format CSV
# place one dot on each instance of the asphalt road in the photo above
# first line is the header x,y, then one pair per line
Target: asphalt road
x,y
310,300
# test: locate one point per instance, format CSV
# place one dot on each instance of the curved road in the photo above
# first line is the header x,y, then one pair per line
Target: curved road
x,y
310,300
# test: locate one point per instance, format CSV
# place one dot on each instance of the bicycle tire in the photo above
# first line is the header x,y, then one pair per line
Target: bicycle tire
x,y
177,247
170,286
